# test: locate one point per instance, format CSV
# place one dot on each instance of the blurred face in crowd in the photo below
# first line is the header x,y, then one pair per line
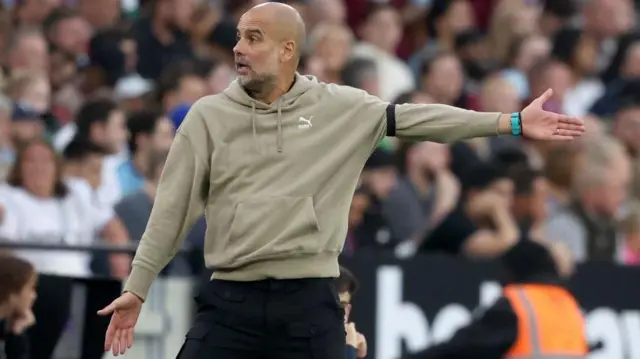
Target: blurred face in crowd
x,y
183,11
499,95
359,205
427,158
219,79
27,129
100,13
604,190
24,299
72,34
333,47
31,53
500,190
380,181
5,127
631,65
626,128
37,95
33,12
112,135
586,54
608,18
38,170
445,79
190,89
533,49
383,29
329,11
554,75
91,170
163,135
459,17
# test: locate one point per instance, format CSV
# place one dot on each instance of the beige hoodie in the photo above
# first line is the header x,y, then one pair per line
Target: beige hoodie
x,y
276,181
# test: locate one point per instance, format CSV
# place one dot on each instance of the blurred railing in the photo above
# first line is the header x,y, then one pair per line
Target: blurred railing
x,y
163,322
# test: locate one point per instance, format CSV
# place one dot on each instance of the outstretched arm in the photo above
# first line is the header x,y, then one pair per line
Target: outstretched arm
x,y
442,123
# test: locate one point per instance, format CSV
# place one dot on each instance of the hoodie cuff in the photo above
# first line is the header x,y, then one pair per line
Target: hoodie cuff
x,y
139,282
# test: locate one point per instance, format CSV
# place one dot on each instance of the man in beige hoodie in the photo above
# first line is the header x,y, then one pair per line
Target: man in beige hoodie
x,y
273,162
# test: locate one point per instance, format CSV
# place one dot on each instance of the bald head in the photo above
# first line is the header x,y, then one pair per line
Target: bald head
x,y
271,39
284,21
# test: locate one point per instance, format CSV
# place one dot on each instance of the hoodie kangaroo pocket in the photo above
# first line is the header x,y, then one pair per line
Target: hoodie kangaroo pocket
x,y
269,227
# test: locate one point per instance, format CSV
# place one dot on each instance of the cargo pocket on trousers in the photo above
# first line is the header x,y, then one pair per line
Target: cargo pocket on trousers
x,y
194,342
324,342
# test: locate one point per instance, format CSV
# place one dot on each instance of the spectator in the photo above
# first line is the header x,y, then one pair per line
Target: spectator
x,y
379,177
18,293
560,171
626,125
149,132
630,227
578,50
27,50
67,30
605,20
180,84
443,79
525,52
481,225
100,14
587,225
331,44
65,217
381,33
424,196
445,20
34,12
103,123
7,154
161,36
83,172
359,205
361,74
529,206
134,211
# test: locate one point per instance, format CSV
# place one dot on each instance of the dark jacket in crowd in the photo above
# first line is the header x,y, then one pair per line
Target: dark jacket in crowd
x,y
15,346
493,332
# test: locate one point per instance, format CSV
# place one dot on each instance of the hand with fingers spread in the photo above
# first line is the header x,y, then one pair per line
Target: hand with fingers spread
x,y
538,124
124,313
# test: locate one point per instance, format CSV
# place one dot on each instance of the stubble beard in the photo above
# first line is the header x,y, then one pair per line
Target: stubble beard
x,y
258,86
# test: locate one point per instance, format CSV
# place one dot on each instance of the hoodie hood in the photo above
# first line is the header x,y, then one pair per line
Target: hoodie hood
x,y
287,102
236,93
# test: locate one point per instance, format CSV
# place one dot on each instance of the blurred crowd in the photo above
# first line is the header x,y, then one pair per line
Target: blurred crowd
x,y
93,90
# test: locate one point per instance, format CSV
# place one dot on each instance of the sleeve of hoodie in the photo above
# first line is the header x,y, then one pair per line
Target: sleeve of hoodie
x,y
420,122
180,201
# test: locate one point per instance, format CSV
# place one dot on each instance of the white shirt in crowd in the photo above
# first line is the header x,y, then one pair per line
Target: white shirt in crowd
x,y
395,76
74,220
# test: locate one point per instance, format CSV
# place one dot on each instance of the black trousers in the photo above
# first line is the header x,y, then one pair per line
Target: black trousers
x,y
270,319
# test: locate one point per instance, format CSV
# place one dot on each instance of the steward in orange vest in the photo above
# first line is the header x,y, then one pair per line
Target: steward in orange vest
x,y
536,318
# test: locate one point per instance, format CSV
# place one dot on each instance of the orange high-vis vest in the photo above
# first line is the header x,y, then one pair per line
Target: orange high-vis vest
x,y
550,323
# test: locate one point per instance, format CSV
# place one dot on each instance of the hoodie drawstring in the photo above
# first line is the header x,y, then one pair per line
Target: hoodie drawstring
x,y
253,125
279,138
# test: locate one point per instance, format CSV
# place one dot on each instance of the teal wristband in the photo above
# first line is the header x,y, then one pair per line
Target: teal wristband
x,y
516,129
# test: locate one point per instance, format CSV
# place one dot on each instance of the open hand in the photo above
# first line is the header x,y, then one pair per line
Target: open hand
x,y
124,313
538,124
